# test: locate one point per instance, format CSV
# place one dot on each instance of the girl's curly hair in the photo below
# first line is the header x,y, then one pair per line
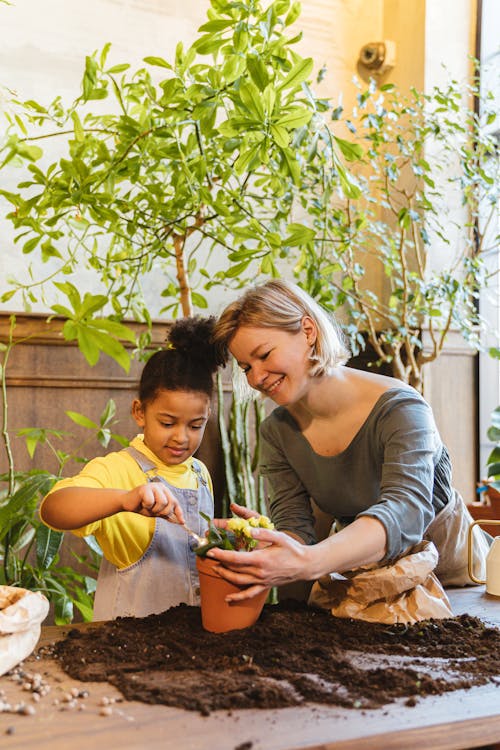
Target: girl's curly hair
x,y
188,361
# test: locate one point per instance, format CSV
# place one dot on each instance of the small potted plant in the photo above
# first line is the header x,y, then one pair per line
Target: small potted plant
x,y
217,614
488,506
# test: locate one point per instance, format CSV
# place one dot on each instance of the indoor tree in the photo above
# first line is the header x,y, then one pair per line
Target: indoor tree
x,y
193,177
425,219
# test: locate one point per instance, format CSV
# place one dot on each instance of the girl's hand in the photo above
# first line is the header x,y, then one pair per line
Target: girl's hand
x,y
281,561
154,499
238,510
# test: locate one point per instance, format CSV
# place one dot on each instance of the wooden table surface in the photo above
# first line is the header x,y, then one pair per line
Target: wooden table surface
x,y
454,721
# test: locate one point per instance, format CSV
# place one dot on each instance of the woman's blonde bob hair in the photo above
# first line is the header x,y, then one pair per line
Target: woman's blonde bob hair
x,y
281,304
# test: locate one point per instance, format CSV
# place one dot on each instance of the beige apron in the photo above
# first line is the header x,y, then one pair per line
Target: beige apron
x,y
405,591
449,532
410,588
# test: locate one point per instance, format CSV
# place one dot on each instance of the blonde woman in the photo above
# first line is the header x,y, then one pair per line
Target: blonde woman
x,y
364,446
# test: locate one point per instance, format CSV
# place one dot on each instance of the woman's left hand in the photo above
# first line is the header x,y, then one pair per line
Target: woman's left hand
x,y
280,560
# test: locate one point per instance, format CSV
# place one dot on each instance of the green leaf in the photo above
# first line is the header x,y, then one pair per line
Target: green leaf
x,y
6,296
236,270
251,98
118,68
48,251
280,135
351,151
294,13
79,131
88,345
493,434
207,44
295,118
199,300
245,159
111,347
86,610
63,609
494,470
34,486
82,420
298,74
48,544
218,24
298,234
158,61
30,245
258,71
118,330
108,413
233,68
31,444
292,165
32,153
349,188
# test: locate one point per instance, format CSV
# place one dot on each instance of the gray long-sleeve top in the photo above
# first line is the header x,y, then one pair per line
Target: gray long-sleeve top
x,y
395,469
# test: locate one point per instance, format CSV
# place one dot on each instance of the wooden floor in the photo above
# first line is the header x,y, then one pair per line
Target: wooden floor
x,y
454,721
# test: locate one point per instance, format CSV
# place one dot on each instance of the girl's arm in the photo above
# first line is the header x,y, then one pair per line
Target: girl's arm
x,y
74,507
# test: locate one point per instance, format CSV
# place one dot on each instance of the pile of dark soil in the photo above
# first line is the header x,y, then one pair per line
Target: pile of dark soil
x,y
294,654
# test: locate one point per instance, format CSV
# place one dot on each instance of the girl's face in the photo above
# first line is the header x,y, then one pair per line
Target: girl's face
x,y
173,423
276,362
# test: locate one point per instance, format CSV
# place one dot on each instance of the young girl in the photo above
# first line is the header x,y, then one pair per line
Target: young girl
x,y
134,501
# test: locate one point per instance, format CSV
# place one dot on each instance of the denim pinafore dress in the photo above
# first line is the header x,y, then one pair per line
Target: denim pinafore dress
x,y
166,573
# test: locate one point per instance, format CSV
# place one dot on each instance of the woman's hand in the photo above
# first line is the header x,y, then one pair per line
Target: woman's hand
x,y
154,499
281,561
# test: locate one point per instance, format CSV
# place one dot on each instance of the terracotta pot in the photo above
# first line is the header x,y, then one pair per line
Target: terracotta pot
x,y
487,508
217,615
493,496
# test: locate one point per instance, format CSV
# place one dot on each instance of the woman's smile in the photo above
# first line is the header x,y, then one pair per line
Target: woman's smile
x,y
271,389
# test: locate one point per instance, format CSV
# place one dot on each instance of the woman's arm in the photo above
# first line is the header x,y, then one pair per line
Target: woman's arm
x,y
73,507
286,560
409,447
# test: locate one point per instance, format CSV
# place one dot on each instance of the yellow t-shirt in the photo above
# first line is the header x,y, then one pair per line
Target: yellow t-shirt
x,y
125,536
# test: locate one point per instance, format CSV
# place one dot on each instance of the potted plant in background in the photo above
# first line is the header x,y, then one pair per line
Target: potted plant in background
x,y
217,615
428,168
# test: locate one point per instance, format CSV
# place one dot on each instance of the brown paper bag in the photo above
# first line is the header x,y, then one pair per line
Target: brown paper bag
x,y
405,591
21,615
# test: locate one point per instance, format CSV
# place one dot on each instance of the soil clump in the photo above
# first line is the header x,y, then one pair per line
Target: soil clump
x,y
292,655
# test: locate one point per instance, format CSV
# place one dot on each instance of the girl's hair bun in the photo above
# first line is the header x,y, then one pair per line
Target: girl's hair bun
x,y
187,362
192,338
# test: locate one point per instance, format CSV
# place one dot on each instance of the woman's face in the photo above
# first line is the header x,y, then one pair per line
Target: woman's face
x,y
276,362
